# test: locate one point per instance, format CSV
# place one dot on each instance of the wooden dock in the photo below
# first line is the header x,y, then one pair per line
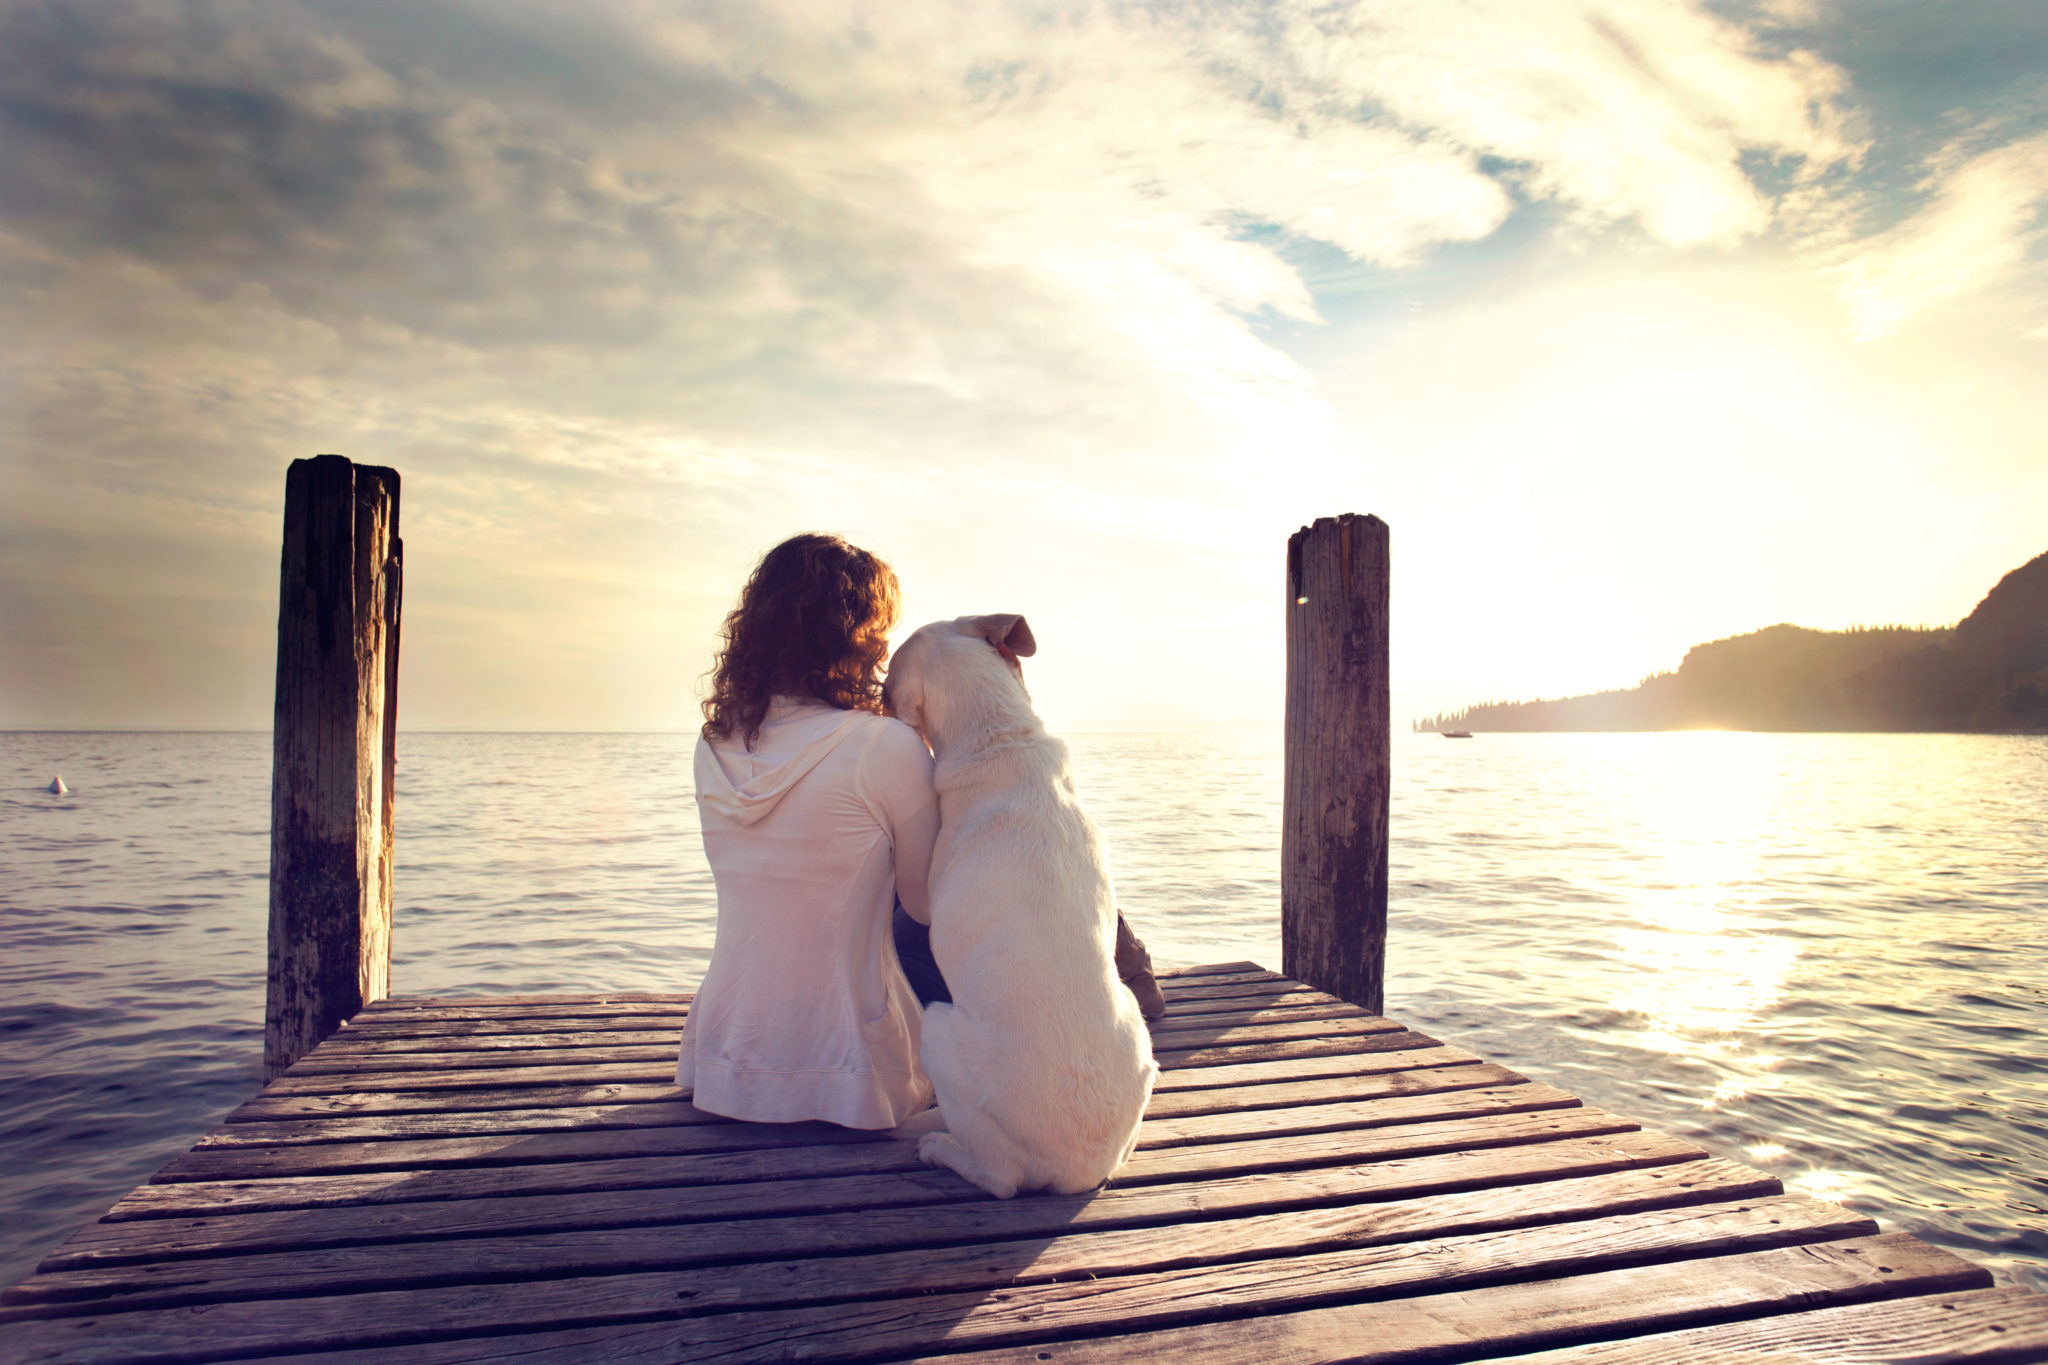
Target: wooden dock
x,y
517,1179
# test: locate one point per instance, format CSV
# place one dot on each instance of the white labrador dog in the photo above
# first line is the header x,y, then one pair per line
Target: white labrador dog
x,y
1042,1063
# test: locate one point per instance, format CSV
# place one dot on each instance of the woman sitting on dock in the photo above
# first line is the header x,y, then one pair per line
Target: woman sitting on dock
x,y
818,815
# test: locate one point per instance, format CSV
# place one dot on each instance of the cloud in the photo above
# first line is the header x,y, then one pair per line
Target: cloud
x,y
1636,113
845,191
622,285
1982,215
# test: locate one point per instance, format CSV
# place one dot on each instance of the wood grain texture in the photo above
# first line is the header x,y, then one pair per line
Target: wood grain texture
x,y
1282,1069
1982,1325
1237,1052
282,1102
1525,1316
332,759
355,1042
538,1253
1136,1273
1333,831
206,1200
355,1104
348,1053
325,1128
497,1149
478,1078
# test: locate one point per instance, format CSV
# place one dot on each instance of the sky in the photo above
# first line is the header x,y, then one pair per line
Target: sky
x,y
1641,322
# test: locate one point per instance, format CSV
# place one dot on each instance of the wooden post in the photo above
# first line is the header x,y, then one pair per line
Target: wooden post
x,y
332,759
1333,839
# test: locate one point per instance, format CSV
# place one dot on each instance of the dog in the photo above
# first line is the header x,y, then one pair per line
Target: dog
x,y
1042,1063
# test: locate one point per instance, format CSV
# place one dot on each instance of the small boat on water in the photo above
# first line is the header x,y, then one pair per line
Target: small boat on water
x,y
1457,734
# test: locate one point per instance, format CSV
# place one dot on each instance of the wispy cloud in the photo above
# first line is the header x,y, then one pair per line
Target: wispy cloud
x,y
1983,214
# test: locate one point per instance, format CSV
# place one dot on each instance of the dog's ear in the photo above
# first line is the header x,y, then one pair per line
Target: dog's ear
x,y
1008,632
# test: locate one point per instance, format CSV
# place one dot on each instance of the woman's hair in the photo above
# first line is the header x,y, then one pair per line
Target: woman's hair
x,y
813,621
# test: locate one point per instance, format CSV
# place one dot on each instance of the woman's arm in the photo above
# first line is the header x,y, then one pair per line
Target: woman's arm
x,y
914,839
898,783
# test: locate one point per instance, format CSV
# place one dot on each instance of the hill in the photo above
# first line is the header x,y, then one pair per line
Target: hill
x,y
1988,672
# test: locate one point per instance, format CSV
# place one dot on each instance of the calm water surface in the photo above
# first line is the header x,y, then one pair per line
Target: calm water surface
x,y
1825,955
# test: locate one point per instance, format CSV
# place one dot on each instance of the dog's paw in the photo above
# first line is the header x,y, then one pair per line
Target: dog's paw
x,y
943,1149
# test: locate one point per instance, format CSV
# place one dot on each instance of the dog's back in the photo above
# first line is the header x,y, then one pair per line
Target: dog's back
x,y
1042,1064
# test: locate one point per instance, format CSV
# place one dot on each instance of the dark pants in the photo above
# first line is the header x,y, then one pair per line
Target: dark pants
x,y
914,951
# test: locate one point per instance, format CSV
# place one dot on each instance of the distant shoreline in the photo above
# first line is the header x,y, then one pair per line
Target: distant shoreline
x,y
1987,674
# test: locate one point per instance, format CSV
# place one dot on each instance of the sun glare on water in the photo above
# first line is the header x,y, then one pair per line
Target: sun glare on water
x,y
1701,970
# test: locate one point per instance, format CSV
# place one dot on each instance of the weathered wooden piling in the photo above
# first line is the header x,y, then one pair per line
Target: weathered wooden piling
x,y
1333,841
332,753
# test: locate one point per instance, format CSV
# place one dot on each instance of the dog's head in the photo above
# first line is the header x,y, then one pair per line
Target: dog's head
x,y
954,661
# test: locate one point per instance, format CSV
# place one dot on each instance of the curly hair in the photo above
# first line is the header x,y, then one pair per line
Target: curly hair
x,y
813,621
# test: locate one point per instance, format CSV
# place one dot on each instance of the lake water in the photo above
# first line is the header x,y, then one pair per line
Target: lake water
x,y
1824,955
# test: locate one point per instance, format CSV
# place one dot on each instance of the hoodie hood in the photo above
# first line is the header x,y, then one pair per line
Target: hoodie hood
x,y
744,785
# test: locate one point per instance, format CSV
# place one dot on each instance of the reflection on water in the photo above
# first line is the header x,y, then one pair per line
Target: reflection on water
x,y
1820,954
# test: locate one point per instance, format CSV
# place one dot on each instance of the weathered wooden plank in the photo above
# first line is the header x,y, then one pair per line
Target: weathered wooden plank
x,y
1285,1069
502,1148
540,1254
363,1029
1250,971
680,999
349,1057
468,1033
246,1163
503,1122
1277,1009
342,1062
392,1014
570,1019
1236,1053
354,1044
208,1200
351,1103
103,1245
587,1072
1503,1318
1166,974
1032,1313
1324,1118
213,1198
1482,1223
267,1108
485,1078
592,1118
1173,982
1186,1036
1329,1089
1248,988
1980,1325
1340,1146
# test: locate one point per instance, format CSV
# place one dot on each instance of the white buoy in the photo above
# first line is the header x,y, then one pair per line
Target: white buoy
x,y
57,787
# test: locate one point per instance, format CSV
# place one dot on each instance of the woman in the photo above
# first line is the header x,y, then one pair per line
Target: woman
x,y
818,815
